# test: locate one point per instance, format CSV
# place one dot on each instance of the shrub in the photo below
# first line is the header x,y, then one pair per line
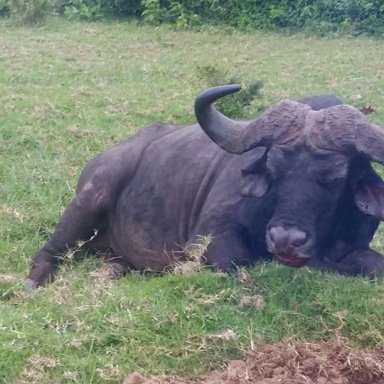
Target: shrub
x,y
316,16
122,7
82,10
233,105
30,11
153,13
4,8
320,16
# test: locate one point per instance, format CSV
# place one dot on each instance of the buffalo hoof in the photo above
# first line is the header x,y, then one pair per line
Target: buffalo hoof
x,y
29,285
373,264
41,272
366,262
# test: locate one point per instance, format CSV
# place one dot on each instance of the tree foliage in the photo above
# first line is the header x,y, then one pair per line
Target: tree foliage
x,y
319,16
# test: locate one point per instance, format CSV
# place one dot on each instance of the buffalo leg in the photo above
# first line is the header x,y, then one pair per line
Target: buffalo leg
x,y
79,222
227,251
365,262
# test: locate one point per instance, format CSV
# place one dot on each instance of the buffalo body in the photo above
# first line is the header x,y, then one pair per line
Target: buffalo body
x,y
290,195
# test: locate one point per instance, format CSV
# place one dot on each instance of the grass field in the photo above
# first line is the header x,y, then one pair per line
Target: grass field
x,y
70,90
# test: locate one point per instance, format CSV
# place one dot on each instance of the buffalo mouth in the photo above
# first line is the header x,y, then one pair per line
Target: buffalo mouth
x,y
291,260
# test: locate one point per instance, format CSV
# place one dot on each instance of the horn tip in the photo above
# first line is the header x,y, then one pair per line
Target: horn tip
x,y
210,95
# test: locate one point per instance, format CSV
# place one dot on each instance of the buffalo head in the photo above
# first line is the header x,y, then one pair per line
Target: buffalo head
x,y
315,168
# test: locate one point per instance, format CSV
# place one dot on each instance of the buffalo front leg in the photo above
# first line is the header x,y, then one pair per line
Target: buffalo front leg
x,y
366,262
228,250
78,223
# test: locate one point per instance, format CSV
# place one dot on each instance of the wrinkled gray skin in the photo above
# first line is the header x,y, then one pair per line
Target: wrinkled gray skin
x,y
291,193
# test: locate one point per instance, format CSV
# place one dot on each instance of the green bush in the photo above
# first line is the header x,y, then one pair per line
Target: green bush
x,y
233,105
320,16
317,16
4,8
94,9
153,13
83,10
123,7
30,11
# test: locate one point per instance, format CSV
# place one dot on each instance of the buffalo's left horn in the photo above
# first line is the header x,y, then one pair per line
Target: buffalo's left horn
x,y
280,124
226,133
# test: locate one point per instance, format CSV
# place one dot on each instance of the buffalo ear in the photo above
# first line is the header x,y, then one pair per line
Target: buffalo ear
x,y
254,184
369,198
255,179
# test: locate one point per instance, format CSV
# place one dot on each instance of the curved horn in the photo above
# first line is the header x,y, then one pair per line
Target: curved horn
x,y
282,123
226,133
346,129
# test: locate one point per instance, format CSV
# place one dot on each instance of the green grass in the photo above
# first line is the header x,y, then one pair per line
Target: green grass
x,y
70,90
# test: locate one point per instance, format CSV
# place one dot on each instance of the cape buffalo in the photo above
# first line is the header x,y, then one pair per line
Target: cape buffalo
x,y
296,183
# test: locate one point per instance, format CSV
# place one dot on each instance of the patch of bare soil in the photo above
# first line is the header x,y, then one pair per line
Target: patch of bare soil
x,y
291,363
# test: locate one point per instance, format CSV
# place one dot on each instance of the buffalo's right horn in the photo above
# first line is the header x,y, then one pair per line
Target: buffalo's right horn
x,y
345,129
280,124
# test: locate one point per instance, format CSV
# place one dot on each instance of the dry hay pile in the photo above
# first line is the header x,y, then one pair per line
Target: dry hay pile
x,y
292,363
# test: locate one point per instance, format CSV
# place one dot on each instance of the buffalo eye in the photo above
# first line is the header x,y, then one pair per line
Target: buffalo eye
x,y
329,183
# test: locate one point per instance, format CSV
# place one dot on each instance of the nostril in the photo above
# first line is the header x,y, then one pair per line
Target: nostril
x,y
299,242
287,238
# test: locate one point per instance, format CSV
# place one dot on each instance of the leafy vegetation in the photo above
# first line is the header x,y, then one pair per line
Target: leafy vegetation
x,y
70,90
317,16
28,11
234,105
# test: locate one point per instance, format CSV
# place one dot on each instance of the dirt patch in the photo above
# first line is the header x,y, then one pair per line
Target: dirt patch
x,y
291,363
